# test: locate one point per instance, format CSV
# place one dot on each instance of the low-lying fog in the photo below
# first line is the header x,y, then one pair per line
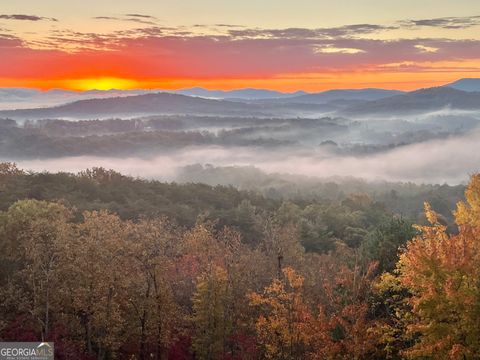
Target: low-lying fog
x,y
438,147
448,160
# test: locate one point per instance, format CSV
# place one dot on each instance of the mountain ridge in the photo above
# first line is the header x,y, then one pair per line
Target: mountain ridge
x,y
465,84
418,101
365,94
343,101
135,105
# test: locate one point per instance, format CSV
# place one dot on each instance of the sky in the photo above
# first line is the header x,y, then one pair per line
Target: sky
x,y
309,45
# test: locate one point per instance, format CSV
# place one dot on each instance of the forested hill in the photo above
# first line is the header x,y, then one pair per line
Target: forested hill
x,y
198,193
131,198
107,266
159,103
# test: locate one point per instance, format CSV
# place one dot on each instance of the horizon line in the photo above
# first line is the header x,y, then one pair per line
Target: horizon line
x,y
225,89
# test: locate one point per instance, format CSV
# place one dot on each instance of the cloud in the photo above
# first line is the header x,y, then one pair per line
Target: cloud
x,y
163,52
444,22
26,17
106,18
141,16
9,42
232,52
138,18
426,48
230,25
319,33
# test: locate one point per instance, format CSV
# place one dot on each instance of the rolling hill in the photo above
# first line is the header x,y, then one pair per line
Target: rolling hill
x,y
419,101
239,94
344,95
467,84
129,106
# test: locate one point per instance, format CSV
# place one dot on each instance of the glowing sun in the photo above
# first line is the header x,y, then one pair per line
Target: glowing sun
x,y
102,83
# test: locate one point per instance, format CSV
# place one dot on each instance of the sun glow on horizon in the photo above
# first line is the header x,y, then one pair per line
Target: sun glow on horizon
x,y
101,83
405,76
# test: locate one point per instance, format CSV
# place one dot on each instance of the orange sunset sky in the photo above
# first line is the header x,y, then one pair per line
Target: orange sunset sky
x,y
283,45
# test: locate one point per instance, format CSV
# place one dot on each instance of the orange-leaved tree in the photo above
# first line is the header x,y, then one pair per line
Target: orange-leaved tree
x,y
442,273
282,327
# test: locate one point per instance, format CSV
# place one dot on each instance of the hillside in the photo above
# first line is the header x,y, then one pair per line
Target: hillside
x,y
419,101
467,84
345,95
147,104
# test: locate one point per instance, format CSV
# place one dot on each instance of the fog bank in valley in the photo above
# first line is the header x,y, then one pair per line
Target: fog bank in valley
x,y
425,136
448,160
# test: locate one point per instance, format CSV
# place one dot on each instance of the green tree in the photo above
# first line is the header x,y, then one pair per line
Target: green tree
x,y
384,242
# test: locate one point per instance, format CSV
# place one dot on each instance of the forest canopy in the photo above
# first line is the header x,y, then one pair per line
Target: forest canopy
x,y
112,267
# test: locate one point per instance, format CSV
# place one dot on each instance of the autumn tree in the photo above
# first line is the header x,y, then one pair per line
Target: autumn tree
x,y
95,269
151,251
226,269
9,169
213,327
281,244
442,273
391,308
339,286
284,318
35,234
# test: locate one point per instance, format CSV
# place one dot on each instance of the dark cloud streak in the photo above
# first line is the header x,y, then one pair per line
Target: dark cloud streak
x,y
445,22
141,16
141,19
26,17
320,33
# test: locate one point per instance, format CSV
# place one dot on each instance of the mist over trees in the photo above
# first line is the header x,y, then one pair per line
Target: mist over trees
x,y
162,146
367,133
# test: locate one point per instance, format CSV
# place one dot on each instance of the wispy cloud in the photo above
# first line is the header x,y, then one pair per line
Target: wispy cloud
x,y
138,18
230,25
106,18
303,33
444,22
142,16
26,17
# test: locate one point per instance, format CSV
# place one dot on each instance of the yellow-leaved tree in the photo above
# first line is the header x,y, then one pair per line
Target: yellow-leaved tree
x,y
210,314
283,327
442,273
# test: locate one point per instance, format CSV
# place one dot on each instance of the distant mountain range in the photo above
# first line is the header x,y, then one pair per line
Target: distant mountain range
x,y
19,98
23,98
461,94
343,95
58,96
